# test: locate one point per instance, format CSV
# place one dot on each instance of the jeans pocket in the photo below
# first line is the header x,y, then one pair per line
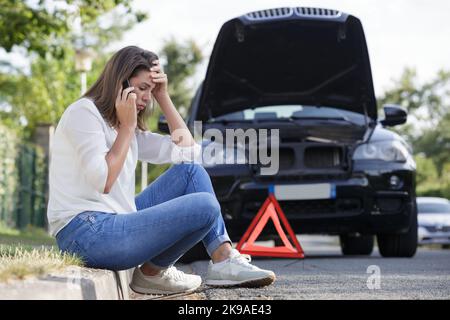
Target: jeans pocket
x,y
91,218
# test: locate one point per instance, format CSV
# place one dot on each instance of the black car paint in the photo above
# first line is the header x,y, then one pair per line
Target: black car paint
x,y
365,202
263,61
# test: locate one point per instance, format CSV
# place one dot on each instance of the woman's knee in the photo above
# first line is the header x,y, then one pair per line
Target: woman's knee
x,y
191,169
208,206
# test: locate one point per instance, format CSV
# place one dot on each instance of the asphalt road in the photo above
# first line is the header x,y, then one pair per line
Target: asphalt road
x,y
325,274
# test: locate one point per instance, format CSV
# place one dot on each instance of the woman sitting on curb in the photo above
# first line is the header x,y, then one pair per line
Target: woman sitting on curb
x,y
93,211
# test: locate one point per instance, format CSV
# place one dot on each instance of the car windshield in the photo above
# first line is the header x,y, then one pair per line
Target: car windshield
x,y
287,112
428,207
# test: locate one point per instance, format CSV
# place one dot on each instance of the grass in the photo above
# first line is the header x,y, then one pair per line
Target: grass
x,y
27,236
30,252
22,262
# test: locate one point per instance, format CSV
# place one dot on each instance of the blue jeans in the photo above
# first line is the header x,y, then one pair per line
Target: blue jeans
x,y
175,212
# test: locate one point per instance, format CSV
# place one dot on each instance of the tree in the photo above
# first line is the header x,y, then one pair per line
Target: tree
x,y
428,102
40,26
428,128
435,143
52,83
426,170
428,108
42,96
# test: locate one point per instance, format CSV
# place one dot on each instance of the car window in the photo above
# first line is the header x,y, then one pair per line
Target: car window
x,y
433,208
288,111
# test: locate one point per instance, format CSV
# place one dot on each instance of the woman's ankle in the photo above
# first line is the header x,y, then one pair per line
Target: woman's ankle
x,y
221,253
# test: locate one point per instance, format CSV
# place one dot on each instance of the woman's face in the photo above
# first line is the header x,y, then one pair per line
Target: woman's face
x,y
143,87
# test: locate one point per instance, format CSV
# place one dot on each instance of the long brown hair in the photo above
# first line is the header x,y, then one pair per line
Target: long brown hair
x,y
123,65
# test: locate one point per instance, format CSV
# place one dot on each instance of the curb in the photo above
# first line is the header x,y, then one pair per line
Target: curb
x,y
80,283
73,283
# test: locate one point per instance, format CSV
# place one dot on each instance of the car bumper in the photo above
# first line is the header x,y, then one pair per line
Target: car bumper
x,y
363,203
426,237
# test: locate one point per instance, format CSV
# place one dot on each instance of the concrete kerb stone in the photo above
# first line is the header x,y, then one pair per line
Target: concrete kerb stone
x,y
73,283
124,279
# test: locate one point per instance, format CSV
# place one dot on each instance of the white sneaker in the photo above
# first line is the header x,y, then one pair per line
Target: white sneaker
x,y
237,271
168,281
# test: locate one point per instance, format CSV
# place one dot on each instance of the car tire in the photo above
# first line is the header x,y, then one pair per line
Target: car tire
x,y
403,245
356,244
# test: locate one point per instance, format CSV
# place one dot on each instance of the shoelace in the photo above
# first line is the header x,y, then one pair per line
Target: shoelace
x,y
247,257
243,260
173,273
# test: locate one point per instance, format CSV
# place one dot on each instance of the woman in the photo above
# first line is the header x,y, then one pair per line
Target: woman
x,y
93,211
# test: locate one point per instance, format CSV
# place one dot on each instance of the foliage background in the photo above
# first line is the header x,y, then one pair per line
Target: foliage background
x,y
23,181
428,127
48,33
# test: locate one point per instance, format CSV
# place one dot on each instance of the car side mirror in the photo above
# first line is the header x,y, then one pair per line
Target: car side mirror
x,y
163,125
394,115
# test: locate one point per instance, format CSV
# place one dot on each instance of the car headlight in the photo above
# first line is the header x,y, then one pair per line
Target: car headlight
x,y
382,150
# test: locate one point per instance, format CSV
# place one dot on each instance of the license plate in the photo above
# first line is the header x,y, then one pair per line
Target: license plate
x,y
305,191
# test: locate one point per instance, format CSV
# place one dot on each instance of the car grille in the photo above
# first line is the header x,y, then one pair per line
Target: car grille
x,y
302,11
269,14
323,157
277,13
287,158
310,208
390,205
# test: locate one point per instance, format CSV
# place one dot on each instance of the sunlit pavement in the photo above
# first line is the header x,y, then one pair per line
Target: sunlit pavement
x,y
325,273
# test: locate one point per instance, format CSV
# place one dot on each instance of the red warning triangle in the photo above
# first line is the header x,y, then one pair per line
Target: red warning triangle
x,y
270,209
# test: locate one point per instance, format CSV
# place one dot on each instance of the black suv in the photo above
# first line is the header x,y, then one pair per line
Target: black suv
x,y
306,72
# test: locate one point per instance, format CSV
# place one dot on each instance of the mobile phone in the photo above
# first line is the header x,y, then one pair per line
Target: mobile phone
x,y
125,84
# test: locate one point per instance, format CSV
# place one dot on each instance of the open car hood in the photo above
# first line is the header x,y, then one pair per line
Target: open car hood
x,y
302,56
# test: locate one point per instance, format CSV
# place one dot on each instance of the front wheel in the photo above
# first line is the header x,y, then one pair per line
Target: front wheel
x,y
356,244
403,245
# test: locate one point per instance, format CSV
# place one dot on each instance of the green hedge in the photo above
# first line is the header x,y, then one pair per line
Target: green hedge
x,y
434,190
23,181
431,182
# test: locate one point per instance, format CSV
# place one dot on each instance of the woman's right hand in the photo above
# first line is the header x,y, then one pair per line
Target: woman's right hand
x,y
126,108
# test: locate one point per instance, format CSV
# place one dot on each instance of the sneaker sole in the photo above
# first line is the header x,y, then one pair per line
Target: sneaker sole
x,y
254,283
157,291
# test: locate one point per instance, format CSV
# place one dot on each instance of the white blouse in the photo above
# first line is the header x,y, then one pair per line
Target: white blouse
x,y
78,168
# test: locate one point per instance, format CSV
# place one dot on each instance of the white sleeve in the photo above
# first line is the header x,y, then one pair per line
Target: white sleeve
x,y
85,132
156,148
